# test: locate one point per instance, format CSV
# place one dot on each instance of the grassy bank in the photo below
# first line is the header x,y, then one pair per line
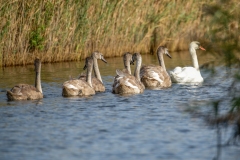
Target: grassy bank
x,y
60,30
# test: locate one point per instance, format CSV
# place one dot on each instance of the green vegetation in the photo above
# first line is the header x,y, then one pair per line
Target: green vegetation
x,y
60,30
223,37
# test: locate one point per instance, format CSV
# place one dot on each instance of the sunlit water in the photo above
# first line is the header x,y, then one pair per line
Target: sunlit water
x,y
152,125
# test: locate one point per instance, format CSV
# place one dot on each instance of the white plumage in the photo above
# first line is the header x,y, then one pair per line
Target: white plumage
x,y
188,74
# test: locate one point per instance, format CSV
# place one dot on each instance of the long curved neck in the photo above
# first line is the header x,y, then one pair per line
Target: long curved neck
x,y
96,69
194,57
127,66
160,59
38,79
89,73
137,69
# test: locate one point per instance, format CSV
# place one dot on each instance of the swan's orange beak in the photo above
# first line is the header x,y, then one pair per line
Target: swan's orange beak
x,y
202,48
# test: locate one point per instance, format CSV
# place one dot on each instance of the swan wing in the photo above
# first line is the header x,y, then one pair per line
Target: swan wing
x,y
155,76
24,92
77,87
186,75
126,85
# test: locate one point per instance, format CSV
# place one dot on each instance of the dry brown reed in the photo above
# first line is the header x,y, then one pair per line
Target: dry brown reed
x,y
60,30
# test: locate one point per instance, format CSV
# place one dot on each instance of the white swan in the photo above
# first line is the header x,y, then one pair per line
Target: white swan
x,y
188,74
156,76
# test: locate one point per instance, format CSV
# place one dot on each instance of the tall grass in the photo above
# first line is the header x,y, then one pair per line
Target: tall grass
x,y
224,38
222,33
65,30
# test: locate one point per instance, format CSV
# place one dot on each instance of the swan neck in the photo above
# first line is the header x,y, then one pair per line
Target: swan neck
x,y
128,69
137,68
38,79
160,60
127,66
96,69
194,57
89,74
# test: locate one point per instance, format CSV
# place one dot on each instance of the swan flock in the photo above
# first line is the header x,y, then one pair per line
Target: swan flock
x,y
146,76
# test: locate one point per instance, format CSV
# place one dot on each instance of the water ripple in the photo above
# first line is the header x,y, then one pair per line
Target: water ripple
x,y
152,125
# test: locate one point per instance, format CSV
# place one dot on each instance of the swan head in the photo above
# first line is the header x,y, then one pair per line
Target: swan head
x,y
127,58
136,57
98,55
37,64
196,45
163,50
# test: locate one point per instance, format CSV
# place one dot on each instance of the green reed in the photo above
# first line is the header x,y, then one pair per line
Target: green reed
x,y
60,30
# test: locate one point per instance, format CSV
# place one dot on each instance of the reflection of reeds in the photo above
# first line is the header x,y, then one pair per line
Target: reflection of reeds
x,y
61,30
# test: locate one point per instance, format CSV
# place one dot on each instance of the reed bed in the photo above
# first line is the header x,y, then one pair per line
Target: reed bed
x,y
59,30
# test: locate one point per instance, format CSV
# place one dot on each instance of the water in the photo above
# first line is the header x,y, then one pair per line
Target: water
x,y
152,125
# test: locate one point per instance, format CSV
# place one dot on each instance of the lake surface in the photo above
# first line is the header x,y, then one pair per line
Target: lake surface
x,y
154,125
